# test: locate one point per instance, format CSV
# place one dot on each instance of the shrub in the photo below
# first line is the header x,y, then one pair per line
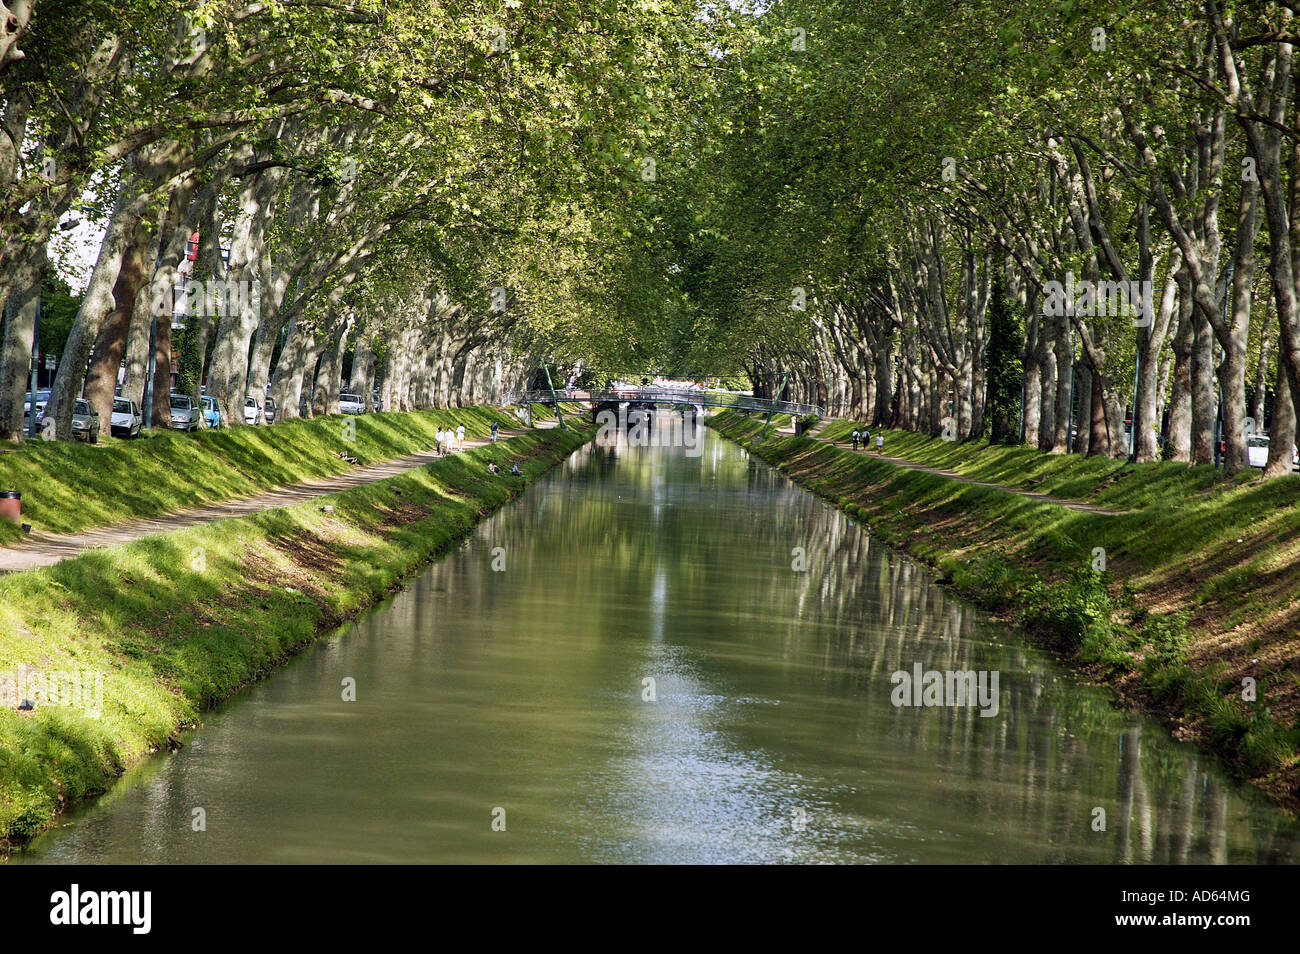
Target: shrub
x,y
1078,609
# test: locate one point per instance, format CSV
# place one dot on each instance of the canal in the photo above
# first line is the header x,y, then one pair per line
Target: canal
x,y
671,654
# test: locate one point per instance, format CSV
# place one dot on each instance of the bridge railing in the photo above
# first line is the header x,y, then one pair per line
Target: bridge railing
x,y
700,398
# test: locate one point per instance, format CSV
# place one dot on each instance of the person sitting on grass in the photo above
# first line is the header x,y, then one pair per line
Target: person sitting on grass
x,y
516,472
493,468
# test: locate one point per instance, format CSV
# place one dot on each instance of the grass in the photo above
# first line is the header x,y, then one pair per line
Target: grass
x,y
546,412
1098,480
1175,600
69,486
176,622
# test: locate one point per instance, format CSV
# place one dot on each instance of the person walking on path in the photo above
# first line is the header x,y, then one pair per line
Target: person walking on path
x,y
855,440
460,437
880,443
494,432
438,437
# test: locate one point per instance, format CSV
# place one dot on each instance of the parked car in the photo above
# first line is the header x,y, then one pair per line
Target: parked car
x,y
184,415
126,420
211,411
85,422
1257,450
42,398
252,411
378,404
351,404
268,412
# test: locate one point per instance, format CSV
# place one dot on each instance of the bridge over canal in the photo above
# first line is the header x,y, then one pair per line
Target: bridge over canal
x,y
651,396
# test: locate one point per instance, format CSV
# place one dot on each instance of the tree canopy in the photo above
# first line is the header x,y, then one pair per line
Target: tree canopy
x,y
1067,224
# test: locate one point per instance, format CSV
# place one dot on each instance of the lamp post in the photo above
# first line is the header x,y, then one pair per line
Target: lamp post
x,y
148,374
559,416
35,375
1133,419
1069,437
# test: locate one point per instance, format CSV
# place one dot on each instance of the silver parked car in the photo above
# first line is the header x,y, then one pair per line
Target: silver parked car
x,y
185,417
351,404
85,422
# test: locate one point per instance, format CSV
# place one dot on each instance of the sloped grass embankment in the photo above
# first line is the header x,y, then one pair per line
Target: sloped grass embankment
x,y
69,486
177,622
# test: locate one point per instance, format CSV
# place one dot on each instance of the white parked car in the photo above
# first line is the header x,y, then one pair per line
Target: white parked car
x,y
1257,451
351,404
126,420
252,411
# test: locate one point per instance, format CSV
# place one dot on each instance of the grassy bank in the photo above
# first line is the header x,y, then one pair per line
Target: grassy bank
x,y
546,412
177,622
69,486
1177,601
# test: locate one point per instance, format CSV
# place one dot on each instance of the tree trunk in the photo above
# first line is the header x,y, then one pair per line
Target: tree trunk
x,y
1099,443
1282,429
1261,372
110,348
228,375
19,338
1049,385
1204,398
1085,406
137,342
331,377
95,306
1064,365
1180,400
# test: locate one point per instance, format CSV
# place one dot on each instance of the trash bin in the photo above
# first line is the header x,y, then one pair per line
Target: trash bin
x,y
11,506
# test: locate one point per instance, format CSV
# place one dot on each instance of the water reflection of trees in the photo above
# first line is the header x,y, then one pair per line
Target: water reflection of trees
x,y
717,531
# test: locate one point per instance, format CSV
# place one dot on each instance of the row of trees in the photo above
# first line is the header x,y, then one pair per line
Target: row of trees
x,y
997,219
1002,217
417,192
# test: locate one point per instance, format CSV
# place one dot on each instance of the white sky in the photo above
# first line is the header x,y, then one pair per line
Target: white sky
x,y
74,252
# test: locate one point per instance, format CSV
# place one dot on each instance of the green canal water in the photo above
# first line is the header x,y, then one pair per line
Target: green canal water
x,y
517,697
